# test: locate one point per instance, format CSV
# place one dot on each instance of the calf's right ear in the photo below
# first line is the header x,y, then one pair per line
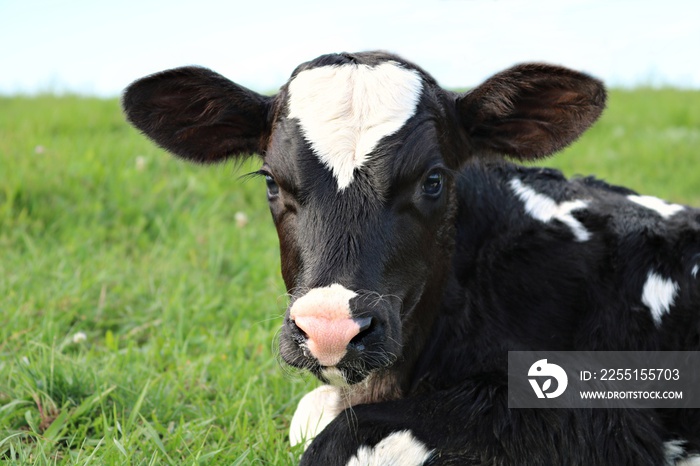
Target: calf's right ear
x,y
198,114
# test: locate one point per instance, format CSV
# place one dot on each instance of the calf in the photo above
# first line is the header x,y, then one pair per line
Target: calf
x,y
416,256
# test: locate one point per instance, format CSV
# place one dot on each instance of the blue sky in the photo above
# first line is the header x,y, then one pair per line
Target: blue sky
x,y
98,47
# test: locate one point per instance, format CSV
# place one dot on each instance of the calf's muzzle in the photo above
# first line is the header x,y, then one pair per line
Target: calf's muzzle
x,y
324,324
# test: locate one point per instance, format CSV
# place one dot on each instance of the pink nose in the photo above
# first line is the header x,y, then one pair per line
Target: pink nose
x,y
328,339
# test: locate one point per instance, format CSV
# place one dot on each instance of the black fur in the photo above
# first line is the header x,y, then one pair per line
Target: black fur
x,y
519,284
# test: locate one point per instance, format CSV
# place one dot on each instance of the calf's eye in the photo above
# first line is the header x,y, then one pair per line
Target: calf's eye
x,y
432,186
272,188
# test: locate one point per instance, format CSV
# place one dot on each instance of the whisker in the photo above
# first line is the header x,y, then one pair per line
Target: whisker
x,y
271,318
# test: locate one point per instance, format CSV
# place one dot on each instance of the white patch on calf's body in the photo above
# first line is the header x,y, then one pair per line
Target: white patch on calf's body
x,y
660,206
345,110
695,270
674,450
314,412
546,209
659,295
397,449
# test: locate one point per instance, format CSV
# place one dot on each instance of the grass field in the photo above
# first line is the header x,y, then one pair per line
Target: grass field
x,y
139,313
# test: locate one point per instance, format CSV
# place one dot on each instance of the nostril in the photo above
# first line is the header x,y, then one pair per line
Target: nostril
x,y
300,335
366,328
363,322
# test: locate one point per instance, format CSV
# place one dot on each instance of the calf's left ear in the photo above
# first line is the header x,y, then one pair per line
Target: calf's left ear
x,y
530,111
198,114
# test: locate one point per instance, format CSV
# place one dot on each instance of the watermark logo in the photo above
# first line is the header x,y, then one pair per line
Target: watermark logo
x,y
545,372
604,379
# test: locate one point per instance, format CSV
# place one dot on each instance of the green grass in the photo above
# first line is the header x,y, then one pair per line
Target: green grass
x,y
104,234
101,233
647,140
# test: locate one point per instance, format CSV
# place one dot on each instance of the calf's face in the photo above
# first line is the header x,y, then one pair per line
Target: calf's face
x,y
361,155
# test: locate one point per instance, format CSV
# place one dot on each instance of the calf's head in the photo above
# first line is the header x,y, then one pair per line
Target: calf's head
x,y
361,156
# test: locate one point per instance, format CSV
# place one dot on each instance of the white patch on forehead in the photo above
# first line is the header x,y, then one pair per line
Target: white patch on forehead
x,y
546,209
314,412
694,272
658,295
345,110
661,207
397,449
